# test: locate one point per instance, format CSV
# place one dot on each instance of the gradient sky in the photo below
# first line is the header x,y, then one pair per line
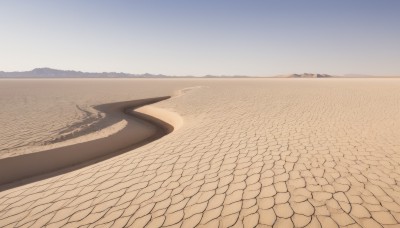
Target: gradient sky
x,y
188,37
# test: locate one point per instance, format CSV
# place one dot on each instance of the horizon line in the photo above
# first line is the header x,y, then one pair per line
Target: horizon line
x,y
348,75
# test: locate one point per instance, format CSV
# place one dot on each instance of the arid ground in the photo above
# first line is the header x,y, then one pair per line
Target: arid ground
x,y
243,153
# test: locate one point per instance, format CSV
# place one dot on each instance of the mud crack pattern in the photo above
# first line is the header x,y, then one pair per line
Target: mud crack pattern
x,y
251,153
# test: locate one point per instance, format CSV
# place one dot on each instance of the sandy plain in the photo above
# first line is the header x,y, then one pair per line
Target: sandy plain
x,y
249,152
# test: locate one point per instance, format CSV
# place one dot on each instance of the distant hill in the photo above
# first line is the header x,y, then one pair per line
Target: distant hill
x,y
307,75
53,73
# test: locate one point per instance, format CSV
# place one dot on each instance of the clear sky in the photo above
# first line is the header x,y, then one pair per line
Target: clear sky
x,y
189,37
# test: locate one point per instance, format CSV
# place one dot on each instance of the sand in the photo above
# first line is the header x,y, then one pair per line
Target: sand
x,y
44,114
132,131
248,152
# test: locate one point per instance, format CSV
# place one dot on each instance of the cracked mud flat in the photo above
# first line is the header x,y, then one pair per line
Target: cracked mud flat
x,y
250,152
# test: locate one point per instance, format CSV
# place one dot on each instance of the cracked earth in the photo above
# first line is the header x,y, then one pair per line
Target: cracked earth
x,y
250,153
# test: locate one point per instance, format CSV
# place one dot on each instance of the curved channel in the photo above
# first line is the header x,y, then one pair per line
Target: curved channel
x,y
140,130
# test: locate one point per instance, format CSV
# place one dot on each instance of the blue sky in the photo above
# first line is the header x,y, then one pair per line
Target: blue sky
x,y
189,37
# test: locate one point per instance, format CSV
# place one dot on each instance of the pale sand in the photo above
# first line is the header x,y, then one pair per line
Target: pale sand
x,y
136,132
282,152
43,114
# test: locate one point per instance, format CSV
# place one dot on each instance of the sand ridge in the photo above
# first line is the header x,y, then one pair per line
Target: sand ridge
x,y
63,109
137,132
279,152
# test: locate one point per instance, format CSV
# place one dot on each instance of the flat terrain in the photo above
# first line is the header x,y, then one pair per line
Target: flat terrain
x,y
38,114
273,152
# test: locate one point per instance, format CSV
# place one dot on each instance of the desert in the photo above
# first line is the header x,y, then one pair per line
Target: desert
x,y
210,114
277,152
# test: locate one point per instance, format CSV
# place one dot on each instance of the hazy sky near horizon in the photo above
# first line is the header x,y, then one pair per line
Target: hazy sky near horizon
x,y
188,37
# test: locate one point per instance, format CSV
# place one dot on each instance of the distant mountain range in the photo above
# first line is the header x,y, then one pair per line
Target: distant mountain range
x,y
53,73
